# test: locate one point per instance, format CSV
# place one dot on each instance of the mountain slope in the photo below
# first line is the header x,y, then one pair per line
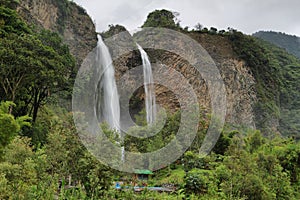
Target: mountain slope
x,y
277,74
289,42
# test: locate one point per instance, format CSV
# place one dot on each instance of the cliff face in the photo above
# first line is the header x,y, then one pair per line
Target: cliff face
x,y
238,79
64,17
239,84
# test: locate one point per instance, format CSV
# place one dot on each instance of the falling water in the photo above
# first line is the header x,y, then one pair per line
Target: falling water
x,y
110,107
149,87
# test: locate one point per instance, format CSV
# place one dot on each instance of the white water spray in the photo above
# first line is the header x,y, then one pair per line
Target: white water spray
x,y
110,105
149,87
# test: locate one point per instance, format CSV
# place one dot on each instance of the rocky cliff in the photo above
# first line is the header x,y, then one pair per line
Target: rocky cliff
x,y
237,76
65,17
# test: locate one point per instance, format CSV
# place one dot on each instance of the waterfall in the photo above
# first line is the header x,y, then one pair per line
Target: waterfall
x,y
149,87
110,106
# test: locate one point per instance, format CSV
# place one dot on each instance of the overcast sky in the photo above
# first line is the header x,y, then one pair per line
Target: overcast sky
x,y
247,16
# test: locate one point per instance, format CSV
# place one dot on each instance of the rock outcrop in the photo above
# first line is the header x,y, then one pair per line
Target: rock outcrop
x,y
238,79
65,17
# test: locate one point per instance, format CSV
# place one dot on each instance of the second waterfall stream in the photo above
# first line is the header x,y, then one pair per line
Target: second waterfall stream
x,y
150,102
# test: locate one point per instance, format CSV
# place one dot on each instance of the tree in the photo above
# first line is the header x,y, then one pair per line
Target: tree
x,y
213,30
10,22
12,53
55,70
113,30
33,66
30,67
162,18
24,172
205,30
200,181
198,27
222,144
255,141
9,126
72,163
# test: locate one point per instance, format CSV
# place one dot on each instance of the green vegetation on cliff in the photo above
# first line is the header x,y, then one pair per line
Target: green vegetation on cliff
x,y
277,76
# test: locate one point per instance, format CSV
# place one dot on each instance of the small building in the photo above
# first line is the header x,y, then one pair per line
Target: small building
x,y
142,174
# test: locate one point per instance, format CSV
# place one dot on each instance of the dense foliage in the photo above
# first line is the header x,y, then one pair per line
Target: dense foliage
x,y
240,167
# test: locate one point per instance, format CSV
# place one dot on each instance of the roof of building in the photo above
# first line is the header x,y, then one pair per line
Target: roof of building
x,y
143,171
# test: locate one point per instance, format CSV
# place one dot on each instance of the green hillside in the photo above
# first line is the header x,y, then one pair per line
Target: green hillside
x,y
277,74
289,42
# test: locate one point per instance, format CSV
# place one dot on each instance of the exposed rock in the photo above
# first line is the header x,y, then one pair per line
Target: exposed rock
x,y
238,79
65,17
